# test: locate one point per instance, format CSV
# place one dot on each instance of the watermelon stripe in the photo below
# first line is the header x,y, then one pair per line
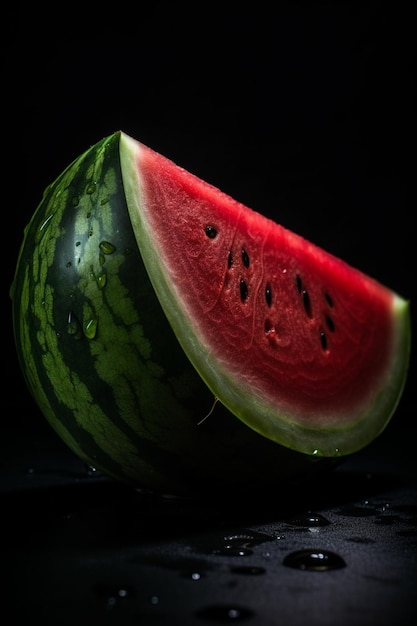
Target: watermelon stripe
x,y
77,242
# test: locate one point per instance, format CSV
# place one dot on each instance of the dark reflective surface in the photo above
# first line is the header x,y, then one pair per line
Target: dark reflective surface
x,y
307,116
78,548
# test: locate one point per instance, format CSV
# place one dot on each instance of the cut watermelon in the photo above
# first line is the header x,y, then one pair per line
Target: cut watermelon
x,y
144,297
303,348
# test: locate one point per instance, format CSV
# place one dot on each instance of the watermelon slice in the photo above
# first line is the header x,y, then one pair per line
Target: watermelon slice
x,y
304,349
144,296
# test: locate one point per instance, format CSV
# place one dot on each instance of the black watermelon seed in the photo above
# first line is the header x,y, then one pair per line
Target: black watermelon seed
x,y
299,283
245,258
306,302
269,326
211,232
330,323
323,340
328,299
230,260
268,294
243,290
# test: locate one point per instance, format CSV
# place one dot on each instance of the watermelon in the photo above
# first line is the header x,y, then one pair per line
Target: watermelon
x,y
180,341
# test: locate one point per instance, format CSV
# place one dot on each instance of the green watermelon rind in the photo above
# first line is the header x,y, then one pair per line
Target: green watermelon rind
x,y
337,437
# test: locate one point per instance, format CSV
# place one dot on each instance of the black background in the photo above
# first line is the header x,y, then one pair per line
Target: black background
x,y
304,111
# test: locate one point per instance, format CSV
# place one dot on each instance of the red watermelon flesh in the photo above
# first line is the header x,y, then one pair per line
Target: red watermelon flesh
x,y
300,346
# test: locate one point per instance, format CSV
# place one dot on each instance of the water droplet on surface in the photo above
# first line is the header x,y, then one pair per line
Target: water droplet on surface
x,y
112,593
90,470
192,575
314,560
241,544
308,520
225,613
231,550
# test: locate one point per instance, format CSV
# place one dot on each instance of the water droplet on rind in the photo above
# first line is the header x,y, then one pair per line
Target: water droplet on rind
x,y
74,326
106,247
90,328
91,188
42,228
101,280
